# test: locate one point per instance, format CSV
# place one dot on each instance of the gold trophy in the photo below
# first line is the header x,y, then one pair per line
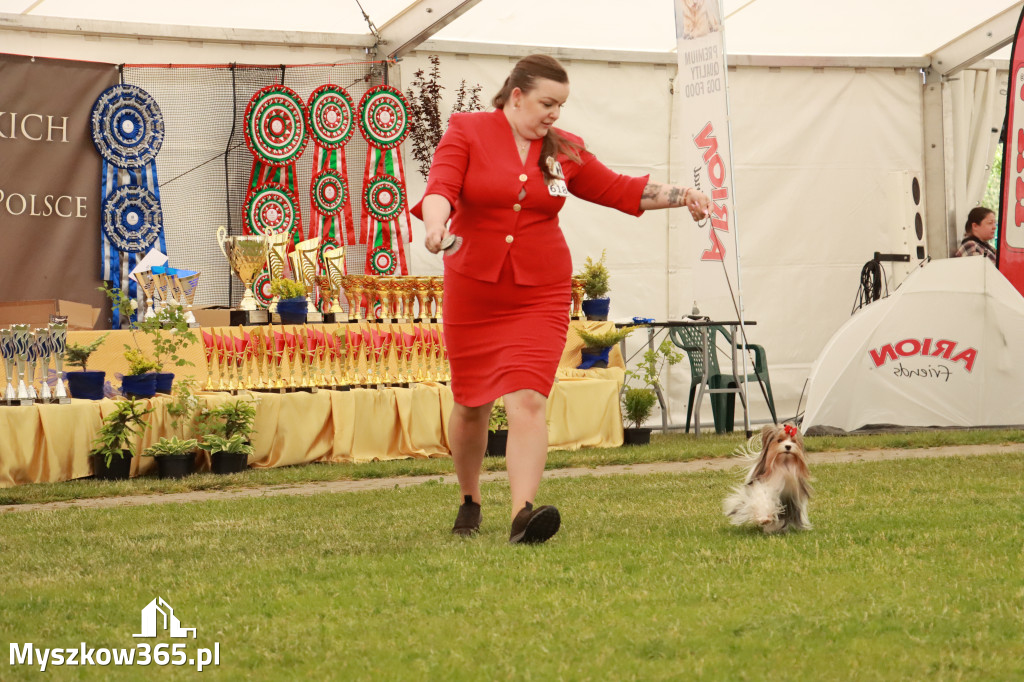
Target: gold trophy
x,y
163,286
360,289
246,256
393,292
334,259
59,344
305,266
257,341
421,285
277,256
577,298
348,287
148,285
407,291
339,357
187,283
380,293
353,341
437,292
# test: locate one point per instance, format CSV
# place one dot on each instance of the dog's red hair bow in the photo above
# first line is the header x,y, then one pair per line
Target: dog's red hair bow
x,y
790,430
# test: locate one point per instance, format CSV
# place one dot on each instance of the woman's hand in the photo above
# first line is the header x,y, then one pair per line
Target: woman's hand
x,y
436,211
435,235
697,203
657,195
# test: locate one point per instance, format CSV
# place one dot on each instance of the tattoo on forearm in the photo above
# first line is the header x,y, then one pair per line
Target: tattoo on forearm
x,y
675,197
650,191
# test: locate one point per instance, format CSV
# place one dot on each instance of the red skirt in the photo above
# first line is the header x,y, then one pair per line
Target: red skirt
x,y
503,337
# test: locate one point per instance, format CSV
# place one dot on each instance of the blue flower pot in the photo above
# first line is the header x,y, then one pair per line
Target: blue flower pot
x,y
86,385
292,310
164,382
597,308
139,385
593,357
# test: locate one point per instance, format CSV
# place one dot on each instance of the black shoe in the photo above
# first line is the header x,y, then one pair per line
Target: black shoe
x,y
467,523
531,526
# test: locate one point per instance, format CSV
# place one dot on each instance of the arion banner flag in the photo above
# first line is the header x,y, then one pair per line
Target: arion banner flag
x,y
703,147
1011,199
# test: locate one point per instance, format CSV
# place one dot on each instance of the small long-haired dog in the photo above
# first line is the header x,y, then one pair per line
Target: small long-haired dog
x,y
775,493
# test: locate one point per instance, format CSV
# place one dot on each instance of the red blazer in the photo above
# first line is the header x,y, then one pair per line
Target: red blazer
x,y
477,168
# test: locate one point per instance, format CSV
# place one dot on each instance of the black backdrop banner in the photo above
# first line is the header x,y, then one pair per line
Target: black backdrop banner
x,y
50,179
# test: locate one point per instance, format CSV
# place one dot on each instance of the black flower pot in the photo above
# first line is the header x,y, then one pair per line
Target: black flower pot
x,y
176,466
86,385
119,470
292,310
164,382
597,308
496,442
139,385
641,436
228,462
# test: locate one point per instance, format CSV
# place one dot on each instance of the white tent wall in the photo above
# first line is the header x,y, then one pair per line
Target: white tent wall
x,y
978,99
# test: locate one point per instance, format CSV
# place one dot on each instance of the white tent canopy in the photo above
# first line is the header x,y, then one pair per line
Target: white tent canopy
x,y
887,28
837,110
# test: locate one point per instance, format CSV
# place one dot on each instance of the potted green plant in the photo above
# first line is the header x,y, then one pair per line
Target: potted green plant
x,y
175,458
115,442
639,397
596,346
226,433
596,285
497,430
292,307
140,381
84,384
169,333
227,455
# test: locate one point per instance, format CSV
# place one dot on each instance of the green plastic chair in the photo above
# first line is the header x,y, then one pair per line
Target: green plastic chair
x,y
723,405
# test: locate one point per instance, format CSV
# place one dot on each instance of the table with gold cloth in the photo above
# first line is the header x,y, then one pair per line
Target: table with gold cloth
x,y
45,443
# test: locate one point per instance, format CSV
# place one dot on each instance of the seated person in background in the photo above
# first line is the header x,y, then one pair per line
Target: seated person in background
x,y
978,231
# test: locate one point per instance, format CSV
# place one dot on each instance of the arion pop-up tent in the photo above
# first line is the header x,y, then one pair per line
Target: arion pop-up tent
x,y
943,350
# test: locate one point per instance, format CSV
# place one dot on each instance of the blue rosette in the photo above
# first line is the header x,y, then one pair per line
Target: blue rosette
x,y
127,126
132,219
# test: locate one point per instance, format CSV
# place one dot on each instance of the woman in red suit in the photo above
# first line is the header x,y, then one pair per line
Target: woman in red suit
x,y
501,177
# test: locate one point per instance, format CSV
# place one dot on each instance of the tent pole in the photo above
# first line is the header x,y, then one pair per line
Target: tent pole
x,y
735,232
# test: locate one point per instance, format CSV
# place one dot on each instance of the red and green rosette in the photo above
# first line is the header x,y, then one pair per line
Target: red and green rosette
x,y
271,210
276,132
384,122
331,118
261,289
275,125
384,197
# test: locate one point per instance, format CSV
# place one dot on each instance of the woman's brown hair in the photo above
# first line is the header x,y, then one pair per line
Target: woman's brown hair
x,y
524,74
976,215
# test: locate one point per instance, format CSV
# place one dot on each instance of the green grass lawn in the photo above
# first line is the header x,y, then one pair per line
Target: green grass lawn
x,y
913,572
673,447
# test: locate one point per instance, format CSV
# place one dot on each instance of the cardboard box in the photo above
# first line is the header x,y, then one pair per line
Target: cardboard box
x,y
213,316
37,313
